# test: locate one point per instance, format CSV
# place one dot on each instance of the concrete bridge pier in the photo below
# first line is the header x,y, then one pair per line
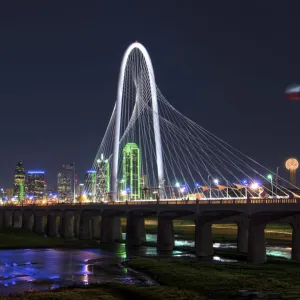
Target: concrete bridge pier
x,y
85,230
96,221
243,235
8,219
1,220
203,237
256,241
165,234
51,226
27,220
135,229
38,226
67,226
76,225
17,219
296,237
110,229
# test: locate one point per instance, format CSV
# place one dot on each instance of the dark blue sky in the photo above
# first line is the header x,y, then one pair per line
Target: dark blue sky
x,y
224,64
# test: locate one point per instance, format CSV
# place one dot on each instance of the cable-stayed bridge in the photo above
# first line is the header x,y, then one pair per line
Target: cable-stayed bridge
x,y
153,161
151,151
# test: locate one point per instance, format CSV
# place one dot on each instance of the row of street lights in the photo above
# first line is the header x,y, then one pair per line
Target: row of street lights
x,y
254,186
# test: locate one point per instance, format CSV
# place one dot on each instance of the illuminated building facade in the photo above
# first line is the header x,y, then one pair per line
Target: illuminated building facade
x,y
102,178
19,182
3,195
65,184
90,183
79,189
132,171
144,187
36,184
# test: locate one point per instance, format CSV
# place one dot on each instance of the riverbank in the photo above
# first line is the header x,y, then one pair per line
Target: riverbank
x,y
186,278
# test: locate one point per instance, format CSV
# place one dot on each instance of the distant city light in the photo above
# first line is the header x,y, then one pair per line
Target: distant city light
x,y
36,172
254,186
216,181
177,184
269,176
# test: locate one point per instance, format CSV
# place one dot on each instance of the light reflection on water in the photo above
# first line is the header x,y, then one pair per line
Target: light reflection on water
x,y
40,269
270,250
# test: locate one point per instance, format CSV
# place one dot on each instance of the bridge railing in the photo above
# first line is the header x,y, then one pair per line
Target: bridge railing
x,y
167,202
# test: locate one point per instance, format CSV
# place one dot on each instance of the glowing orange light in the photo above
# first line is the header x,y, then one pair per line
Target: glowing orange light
x,y
292,164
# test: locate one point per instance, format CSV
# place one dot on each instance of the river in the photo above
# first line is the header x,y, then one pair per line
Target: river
x,y
284,252
41,269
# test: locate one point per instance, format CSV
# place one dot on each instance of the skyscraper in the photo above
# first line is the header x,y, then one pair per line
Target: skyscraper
x,y
19,182
79,189
102,178
65,184
90,183
132,170
36,184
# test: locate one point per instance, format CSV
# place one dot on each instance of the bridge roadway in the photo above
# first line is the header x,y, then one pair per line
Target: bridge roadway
x,y
102,221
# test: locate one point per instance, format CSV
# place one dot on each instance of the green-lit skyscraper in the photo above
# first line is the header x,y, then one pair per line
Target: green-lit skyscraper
x,y
19,182
132,170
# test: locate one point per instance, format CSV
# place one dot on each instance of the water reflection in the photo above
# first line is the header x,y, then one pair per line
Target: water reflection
x,y
40,269
271,250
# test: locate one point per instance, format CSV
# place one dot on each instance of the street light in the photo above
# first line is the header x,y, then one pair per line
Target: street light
x,y
276,181
254,186
209,183
216,182
270,177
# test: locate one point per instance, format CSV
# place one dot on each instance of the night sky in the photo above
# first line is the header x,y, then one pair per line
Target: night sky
x,y
224,64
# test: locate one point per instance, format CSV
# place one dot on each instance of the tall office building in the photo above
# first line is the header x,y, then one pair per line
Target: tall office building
x,y
19,182
90,183
144,187
3,195
132,170
65,183
79,189
102,178
36,184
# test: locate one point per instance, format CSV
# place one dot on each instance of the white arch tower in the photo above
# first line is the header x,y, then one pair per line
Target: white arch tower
x,y
158,145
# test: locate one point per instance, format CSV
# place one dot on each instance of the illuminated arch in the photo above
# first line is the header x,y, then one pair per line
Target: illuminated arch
x,y
158,146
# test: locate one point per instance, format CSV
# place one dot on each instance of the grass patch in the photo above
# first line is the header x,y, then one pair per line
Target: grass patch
x,y
222,280
112,292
